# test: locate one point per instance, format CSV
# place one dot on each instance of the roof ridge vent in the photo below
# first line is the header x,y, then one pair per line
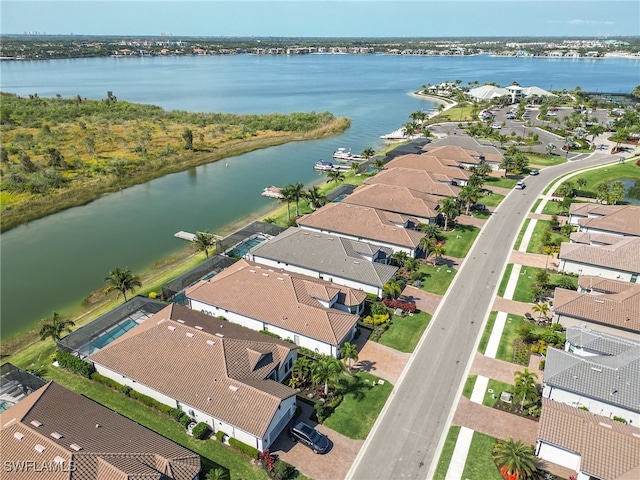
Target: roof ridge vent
x,y
219,335
265,274
171,327
606,425
18,435
189,334
210,342
76,447
180,321
596,369
56,435
35,423
38,448
233,388
252,271
198,327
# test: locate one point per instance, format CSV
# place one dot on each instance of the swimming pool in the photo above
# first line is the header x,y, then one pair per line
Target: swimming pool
x,y
241,249
109,336
339,198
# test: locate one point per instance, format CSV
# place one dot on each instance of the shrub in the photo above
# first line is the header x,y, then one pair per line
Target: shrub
x,y
201,431
185,421
74,364
379,308
542,364
106,381
176,414
126,389
282,470
267,460
149,402
582,407
271,334
220,435
244,448
405,307
372,297
619,419
520,352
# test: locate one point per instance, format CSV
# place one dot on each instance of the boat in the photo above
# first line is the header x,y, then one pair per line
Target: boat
x,y
346,156
323,166
400,135
272,192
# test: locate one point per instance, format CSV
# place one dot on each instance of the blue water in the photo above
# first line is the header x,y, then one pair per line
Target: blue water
x,y
243,248
64,257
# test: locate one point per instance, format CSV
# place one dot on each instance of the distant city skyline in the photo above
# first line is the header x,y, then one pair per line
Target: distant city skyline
x,y
328,18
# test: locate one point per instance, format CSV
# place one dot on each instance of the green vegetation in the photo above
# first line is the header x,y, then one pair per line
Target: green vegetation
x,y
494,389
436,279
447,453
491,200
502,182
460,240
516,246
404,333
469,384
486,334
61,153
505,279
545,160
509,336
524,289
480,461
363,400
540,238
602,176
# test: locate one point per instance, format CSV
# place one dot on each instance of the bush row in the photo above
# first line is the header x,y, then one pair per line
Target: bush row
x,y
74,364
324,410
129,392
244,448
405,307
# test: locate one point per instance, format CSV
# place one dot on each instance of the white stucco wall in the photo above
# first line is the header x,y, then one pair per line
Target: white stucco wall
x,y
280,420
138,387
596,406
584,269
559,456
574,322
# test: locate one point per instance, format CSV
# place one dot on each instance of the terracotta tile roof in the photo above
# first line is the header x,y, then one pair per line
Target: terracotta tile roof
x,y
217,374
363,223
624,255
112,446
434,184
455,153
608,449
429,163
593,238
336,256
470,144
282,299
624,221
620,310
603,285
395,199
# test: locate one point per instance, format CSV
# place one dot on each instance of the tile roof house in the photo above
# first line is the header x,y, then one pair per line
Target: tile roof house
x,y
313,313
217,372
466,151
55,433
623,220
436,184
329,257
618,261
397,199
597,371
592,446
365,224
431,164
612,306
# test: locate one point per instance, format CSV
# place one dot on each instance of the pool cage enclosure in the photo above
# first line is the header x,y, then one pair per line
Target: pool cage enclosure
x,y
83,341
15,384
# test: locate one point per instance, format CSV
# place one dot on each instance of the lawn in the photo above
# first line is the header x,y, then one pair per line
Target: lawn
x,y
606,174
436,279
545,160
535,244
528,278
360,407
535,205
505,279
494,389
509,336
404,333
469,384
479,461
516,246
484,340
447,453
460,240
491,200
504,182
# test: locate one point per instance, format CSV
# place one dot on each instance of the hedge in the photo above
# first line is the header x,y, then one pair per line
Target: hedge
x,y
220,435
74,364
405,307
185,421
201,431
271,334
176,414
106,381
244,448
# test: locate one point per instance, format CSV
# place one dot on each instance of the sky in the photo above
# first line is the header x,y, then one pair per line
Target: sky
x,y
329,18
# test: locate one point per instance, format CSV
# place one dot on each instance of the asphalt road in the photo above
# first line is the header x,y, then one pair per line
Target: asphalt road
x,y
405,441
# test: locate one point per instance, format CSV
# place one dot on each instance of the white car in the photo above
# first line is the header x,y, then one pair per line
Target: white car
x,y
520,185
496,126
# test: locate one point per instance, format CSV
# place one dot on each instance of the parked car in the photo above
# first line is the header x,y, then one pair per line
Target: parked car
x,y
534,171
479,207
520,185
303,433
511,116
496,126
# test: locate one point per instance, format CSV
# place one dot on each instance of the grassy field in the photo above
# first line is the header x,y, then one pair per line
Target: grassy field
x,y
505,279
360,407
509,336
545,160
436,279
460,240
447,453
486,334
528,278
491,200
479,461
405,332
469,384
607,174
520,236
535,244
503,182
494,389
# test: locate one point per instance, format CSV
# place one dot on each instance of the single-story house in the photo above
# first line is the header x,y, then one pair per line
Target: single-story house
x,y
313,313
596,371
218,373
592,446
618,261
366,224
619,220
488,151
609,305
328,257
435,184
56,434
455,174
399,200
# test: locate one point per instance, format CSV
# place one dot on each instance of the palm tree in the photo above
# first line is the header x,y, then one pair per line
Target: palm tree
x,y
484,169
287,197
218,473
355,166
616,192
297,193
408,129
566,189
502,139
507,164
316,199
336,175
55,327
525,387
122,280
449,208
302,369
411,264
202,242
431,230
469,195
326,371
594,131
367,153
515,457
551,147
582,182
542,309
349,351
392,288
379,163
426,244
438,251
399,257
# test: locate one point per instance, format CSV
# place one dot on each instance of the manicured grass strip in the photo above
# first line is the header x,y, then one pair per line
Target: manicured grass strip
x,y
545,161
492,200
607,174
509,336
360,407
447,453
516,246
528,278
405,332
505,279
459,247
494,389
436,279
535,243
469,383
484,340
479,461
535,205
503,182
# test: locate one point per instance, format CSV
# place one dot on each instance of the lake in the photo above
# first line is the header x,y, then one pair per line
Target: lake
x,y
52,263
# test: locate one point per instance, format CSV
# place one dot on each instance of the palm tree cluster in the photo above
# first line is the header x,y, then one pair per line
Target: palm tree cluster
x,y
295,192
516,459
326,371
122,280
54,327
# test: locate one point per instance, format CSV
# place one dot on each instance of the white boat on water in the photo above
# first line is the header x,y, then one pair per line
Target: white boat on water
x,y
324,166
345,155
